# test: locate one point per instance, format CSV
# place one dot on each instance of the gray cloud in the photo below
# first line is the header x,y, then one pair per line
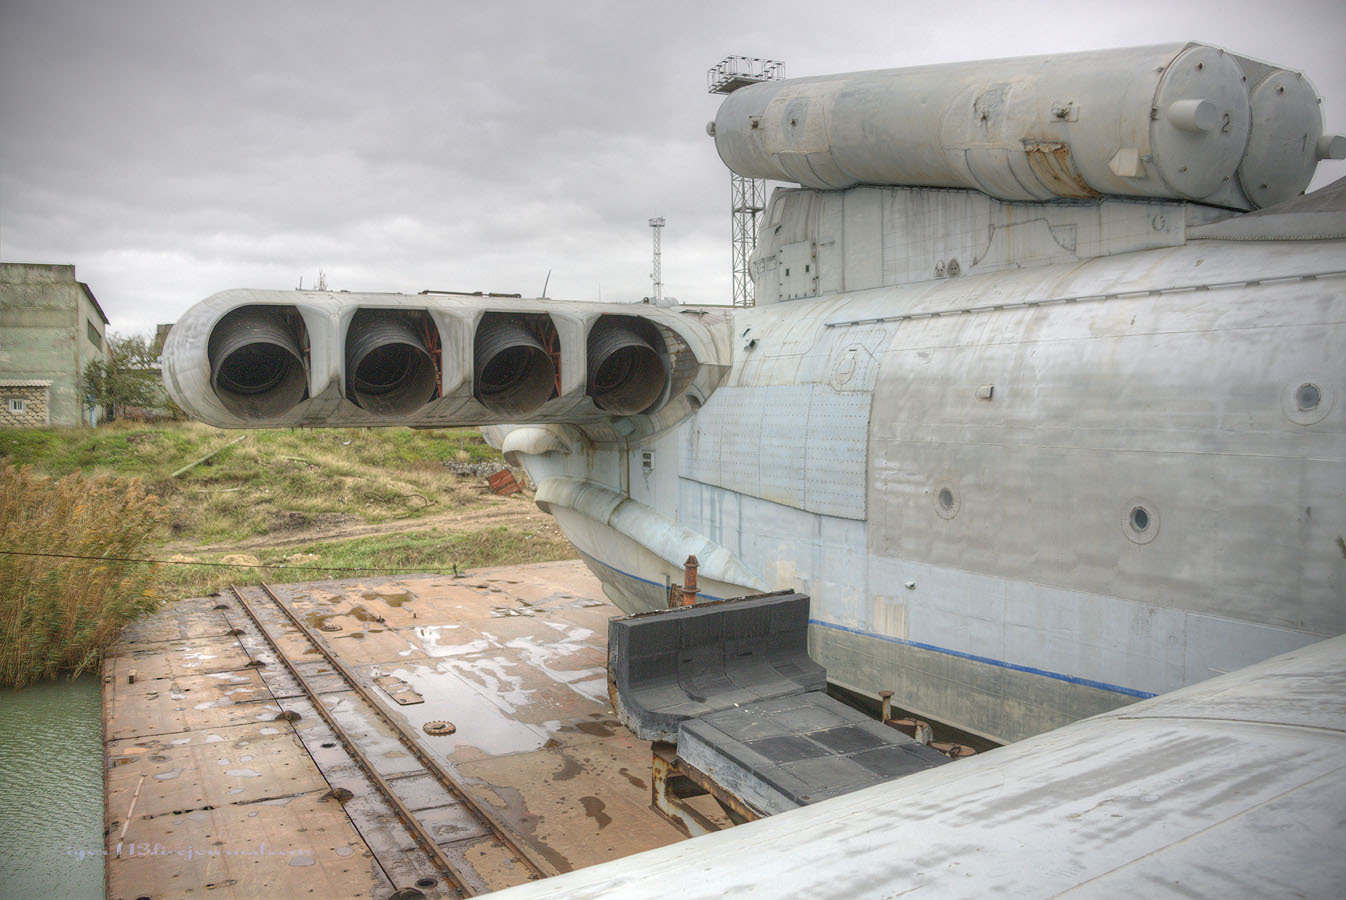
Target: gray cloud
x,y
174,149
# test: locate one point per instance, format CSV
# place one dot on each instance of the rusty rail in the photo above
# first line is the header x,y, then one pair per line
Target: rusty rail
x,y
530,860
423,838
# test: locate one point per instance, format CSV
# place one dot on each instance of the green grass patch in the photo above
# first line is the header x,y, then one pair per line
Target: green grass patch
x,y
110,492
270,482
429,552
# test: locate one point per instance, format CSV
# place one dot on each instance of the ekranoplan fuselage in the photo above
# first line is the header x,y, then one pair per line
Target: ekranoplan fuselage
x,y
1042,419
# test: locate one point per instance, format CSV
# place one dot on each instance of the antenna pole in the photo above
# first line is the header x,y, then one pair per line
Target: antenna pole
x,y
657,275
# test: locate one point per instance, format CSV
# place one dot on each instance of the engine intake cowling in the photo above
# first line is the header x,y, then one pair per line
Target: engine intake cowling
x,y
257,364
513,371
389,369
628,368
253,358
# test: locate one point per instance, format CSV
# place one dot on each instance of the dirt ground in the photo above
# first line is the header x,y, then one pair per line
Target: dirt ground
x,y
516,512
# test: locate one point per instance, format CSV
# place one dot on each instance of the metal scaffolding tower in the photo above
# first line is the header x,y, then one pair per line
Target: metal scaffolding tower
x,y
657,275
747,196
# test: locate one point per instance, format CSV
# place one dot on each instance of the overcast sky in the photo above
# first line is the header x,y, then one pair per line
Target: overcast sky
x,y
174,149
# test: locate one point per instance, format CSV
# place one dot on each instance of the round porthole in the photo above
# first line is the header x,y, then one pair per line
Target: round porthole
x,y
1140,523
1306,401
946,501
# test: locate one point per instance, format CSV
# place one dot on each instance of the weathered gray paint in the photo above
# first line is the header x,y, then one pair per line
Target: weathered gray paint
x,y
1182,121
1233,788
941,415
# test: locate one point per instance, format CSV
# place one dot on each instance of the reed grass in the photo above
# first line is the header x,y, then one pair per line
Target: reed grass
x,y
57,615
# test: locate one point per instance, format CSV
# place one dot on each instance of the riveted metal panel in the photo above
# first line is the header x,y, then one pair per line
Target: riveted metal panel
x,y
803,446
838,439
797,270
785,462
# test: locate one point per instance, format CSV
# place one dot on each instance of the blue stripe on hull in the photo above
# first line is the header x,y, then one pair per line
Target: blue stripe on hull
x,y
1059,676
657,584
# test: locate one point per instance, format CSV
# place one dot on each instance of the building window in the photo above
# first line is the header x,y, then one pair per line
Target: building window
x,y
94,337
16,405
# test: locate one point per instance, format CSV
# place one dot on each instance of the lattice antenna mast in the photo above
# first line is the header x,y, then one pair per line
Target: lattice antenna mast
x,y
657,275
747,196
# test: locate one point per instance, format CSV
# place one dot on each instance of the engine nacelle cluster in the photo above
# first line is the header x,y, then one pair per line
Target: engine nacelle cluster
x,y
257,359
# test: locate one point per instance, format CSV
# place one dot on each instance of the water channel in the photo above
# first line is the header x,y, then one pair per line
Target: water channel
x,y
51,791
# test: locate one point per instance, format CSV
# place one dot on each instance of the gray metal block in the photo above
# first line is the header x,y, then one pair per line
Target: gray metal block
x,y
788,752
675,664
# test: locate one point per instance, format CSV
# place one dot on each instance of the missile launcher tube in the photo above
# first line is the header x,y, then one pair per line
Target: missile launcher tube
x,y
1179,121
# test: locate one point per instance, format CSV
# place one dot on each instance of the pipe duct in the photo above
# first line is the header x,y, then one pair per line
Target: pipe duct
x,y
389,369
257,368
627,369
513,374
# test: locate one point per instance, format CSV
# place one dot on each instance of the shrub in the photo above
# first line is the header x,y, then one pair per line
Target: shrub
x,y
57,614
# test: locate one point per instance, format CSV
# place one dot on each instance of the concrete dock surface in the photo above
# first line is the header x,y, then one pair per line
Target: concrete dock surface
x,y
223,780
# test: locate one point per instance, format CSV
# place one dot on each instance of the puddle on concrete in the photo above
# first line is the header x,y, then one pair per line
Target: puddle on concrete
x,y
375,739
482,715
493,675
396,601
594,729
569,769
243,773
318,620
432,642
590,682
593,808
170,774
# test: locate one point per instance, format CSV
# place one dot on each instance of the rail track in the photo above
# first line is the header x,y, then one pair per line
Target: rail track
x,y
479,854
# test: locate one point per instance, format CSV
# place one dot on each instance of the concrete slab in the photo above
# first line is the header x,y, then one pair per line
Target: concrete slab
x,y
303,847
181,620
184,703
586,805
514,657
237,764
165,659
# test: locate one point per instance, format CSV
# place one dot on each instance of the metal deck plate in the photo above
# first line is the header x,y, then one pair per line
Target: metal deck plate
x,y
514,657
791,751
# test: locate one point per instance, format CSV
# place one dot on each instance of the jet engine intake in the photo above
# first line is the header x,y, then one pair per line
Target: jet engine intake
x,y
278,359
513,369
628,368
257,364
389,368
